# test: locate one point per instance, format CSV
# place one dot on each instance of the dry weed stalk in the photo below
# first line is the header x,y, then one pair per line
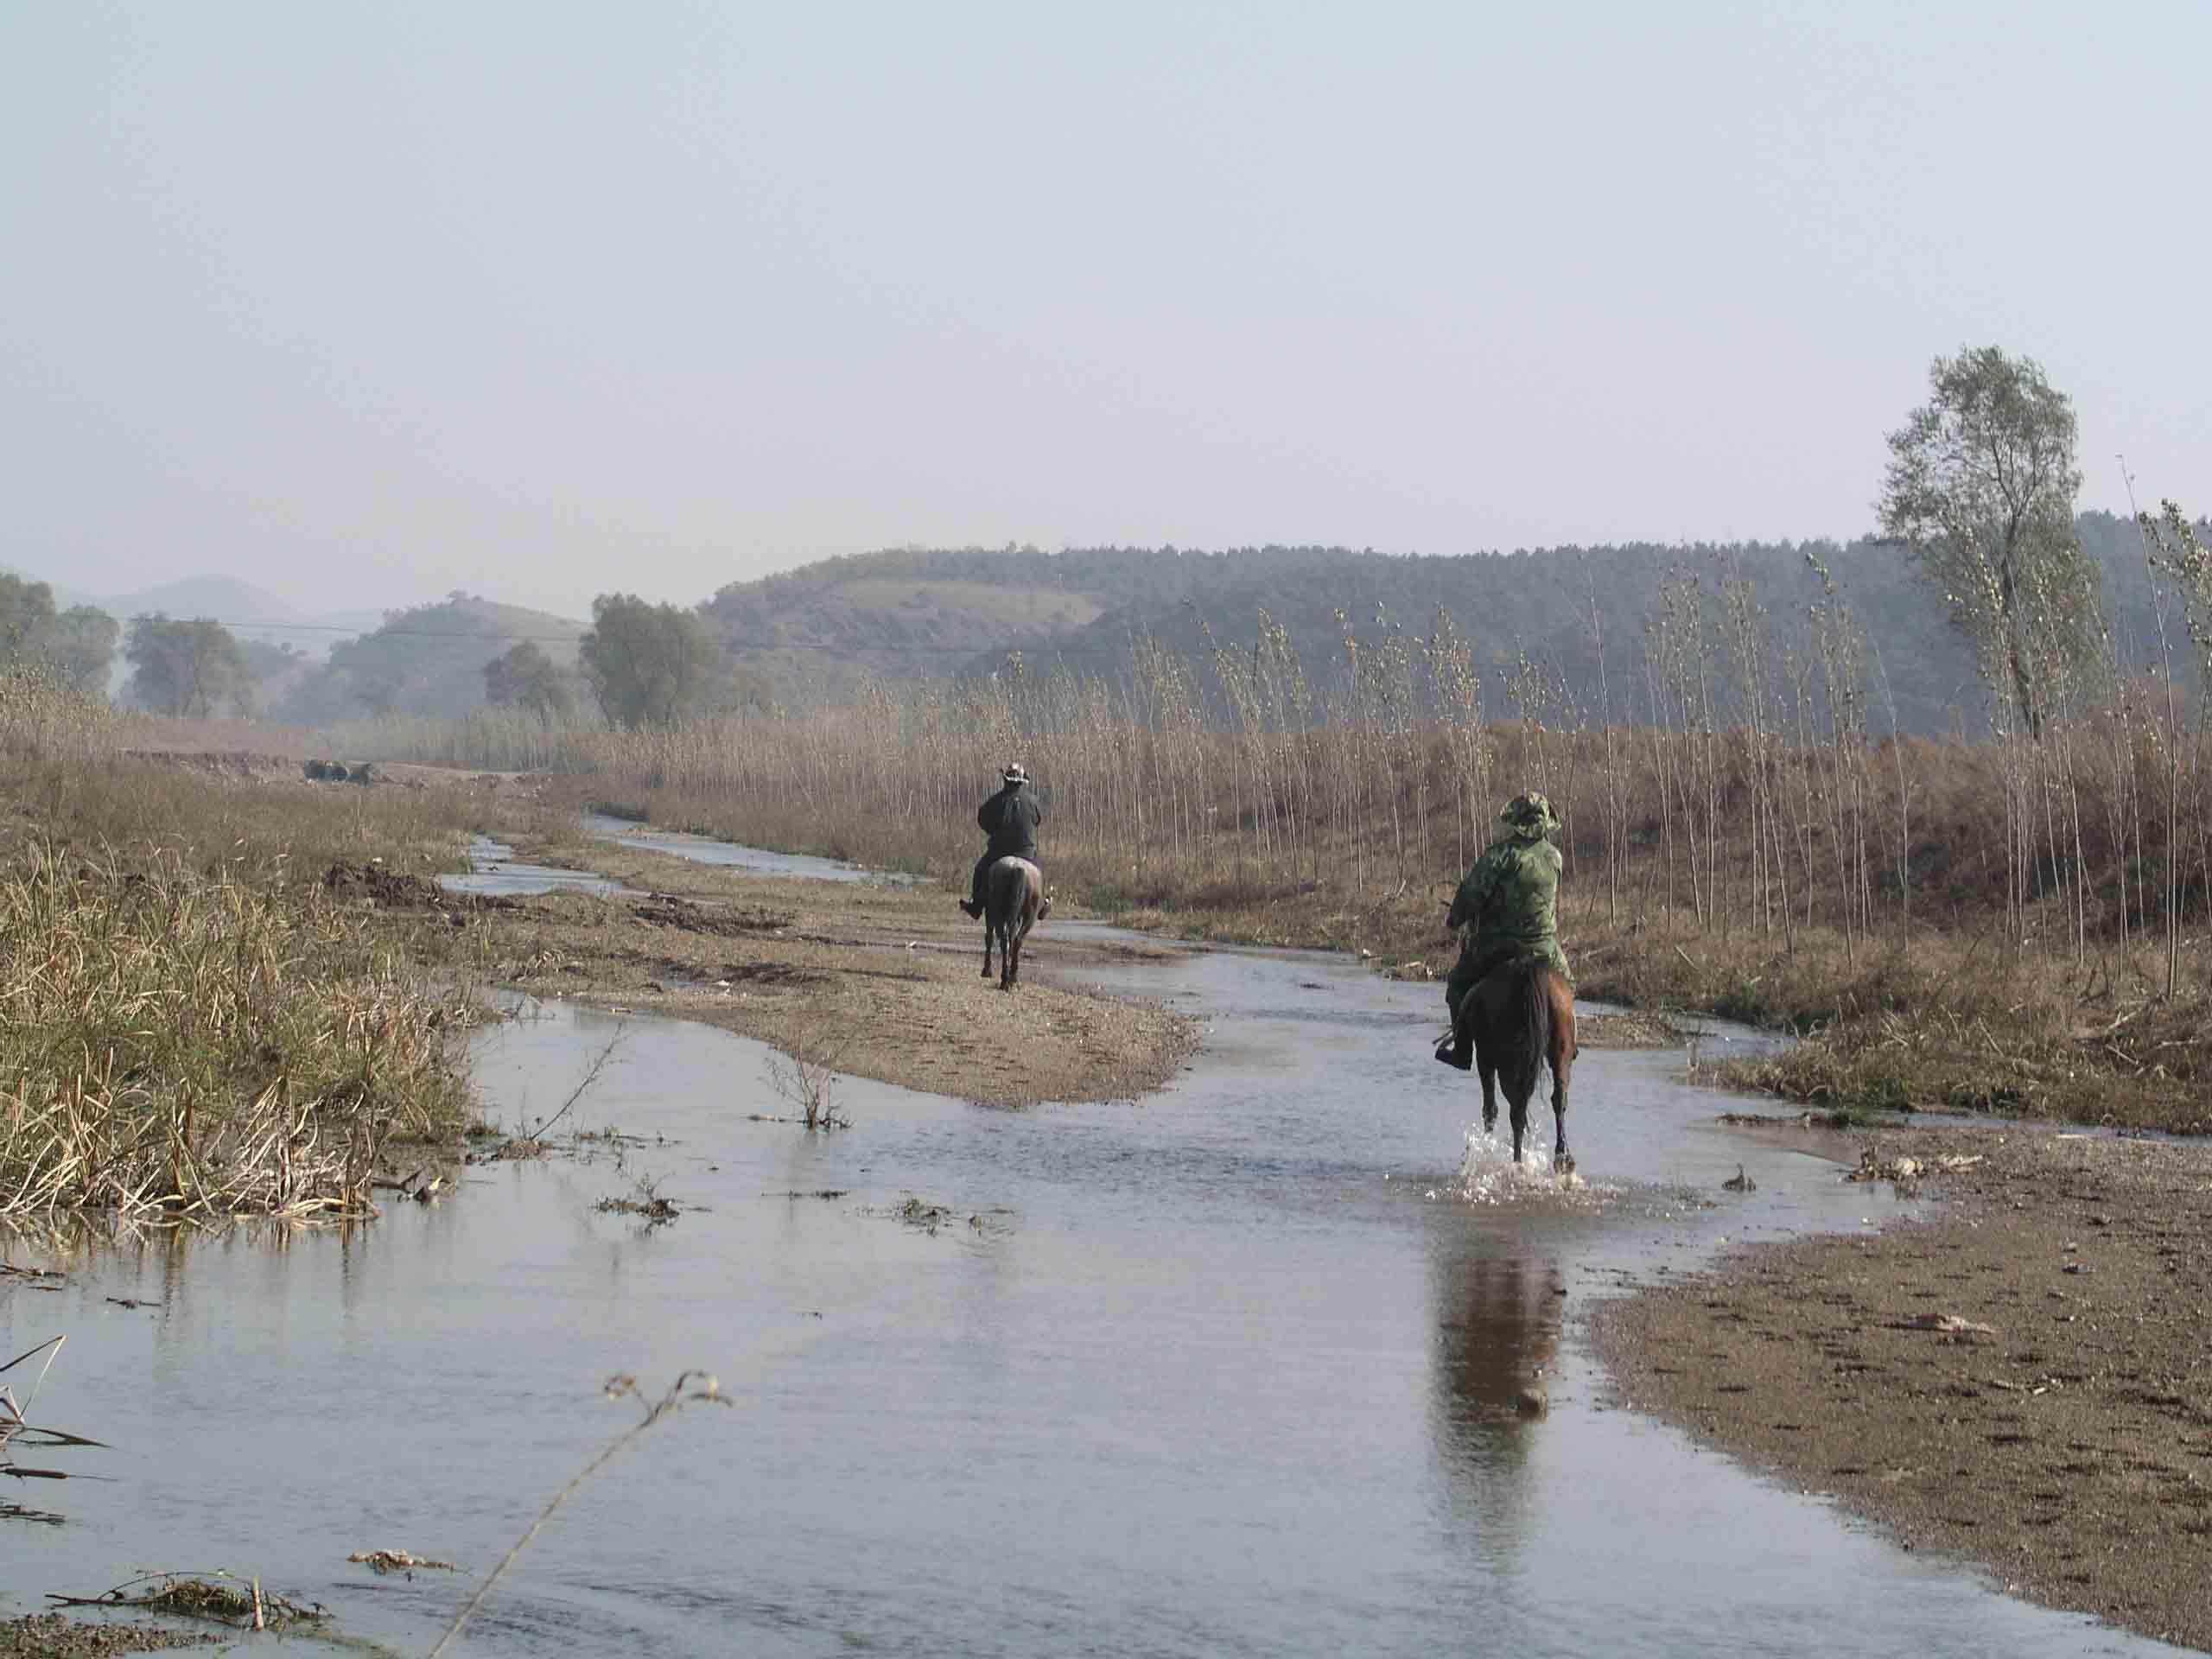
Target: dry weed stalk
x,y
583,1085
692,1388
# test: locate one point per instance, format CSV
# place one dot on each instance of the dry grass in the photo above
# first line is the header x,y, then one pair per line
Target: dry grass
x,y
42,716
188,1042
257,830
1959,1023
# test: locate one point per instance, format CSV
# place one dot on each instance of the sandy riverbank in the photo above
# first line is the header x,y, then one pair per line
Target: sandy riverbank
x,y
2022,1379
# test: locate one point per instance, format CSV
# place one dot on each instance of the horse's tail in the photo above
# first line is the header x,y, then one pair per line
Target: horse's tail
x,y
1013,886
1528,1016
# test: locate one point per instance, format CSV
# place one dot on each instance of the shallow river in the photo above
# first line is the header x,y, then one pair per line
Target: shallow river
x,y
1229,1370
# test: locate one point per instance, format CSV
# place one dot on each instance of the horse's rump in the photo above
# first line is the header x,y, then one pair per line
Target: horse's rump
x,y
1013,892
1014,889
1520,1016
1520,1024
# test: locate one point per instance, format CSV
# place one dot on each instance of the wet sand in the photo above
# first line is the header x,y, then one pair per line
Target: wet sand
x,y
2022,1379
879,982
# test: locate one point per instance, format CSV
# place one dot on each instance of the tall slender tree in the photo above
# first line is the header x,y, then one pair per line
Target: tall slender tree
x,y
1980,492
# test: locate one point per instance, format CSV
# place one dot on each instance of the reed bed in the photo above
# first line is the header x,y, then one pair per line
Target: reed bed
x,y
1676,823
1735,789
217,823
180,1042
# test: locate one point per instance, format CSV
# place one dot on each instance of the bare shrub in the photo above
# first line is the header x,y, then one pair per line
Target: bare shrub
x,y
810,1083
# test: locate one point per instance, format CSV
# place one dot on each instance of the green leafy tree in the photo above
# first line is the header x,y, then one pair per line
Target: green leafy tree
x,y
26,618
190,668
1979,491
83,647
525,678
648,663
77,643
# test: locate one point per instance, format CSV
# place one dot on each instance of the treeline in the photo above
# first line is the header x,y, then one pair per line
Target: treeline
x,y
1548,609
1530,607
190,666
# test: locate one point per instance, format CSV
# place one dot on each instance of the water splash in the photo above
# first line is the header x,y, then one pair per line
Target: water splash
x,y
1488,1175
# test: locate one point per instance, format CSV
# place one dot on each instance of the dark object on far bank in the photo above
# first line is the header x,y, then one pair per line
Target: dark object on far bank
x,y
337,771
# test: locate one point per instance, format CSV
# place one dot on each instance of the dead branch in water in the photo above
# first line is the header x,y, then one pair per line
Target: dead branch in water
x,y
14,1426
190,1595
690,1387
590,1076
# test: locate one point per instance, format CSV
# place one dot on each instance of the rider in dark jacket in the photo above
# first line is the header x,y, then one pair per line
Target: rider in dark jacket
x,y
1010,819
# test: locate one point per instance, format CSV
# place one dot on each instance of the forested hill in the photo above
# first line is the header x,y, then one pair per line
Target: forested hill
x,y
426,660
913,613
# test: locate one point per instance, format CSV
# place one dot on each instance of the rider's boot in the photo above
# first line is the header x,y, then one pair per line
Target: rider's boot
x,y
1458,1050
973,909
1045,909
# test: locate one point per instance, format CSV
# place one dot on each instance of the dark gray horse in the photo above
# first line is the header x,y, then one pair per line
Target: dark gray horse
x,y
1013,895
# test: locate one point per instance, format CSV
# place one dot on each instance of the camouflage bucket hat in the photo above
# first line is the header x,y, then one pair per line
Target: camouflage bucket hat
x,y
1531,814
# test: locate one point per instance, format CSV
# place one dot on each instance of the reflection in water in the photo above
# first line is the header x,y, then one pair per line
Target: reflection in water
x,y
1498,1311
1498,1325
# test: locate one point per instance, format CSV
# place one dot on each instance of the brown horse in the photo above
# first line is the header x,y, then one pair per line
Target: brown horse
x,y
1013,897
1522,1014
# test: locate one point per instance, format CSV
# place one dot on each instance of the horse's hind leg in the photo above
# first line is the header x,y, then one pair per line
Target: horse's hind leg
x,y
1562,1064
990,931
1562,1160
1517,1110
1490,1094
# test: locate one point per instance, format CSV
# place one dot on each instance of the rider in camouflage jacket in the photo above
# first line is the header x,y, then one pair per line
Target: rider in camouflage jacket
x,y
1510,897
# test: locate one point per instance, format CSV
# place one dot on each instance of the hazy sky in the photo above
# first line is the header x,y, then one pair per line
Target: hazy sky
x,y
365,302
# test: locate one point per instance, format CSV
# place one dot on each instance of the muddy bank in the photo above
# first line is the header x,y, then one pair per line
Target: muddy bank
x,y
49,1636
880,981
2021,1379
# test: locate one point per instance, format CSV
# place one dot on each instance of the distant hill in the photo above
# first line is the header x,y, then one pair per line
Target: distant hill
x,y
226,598
426,660
909,613
816,632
